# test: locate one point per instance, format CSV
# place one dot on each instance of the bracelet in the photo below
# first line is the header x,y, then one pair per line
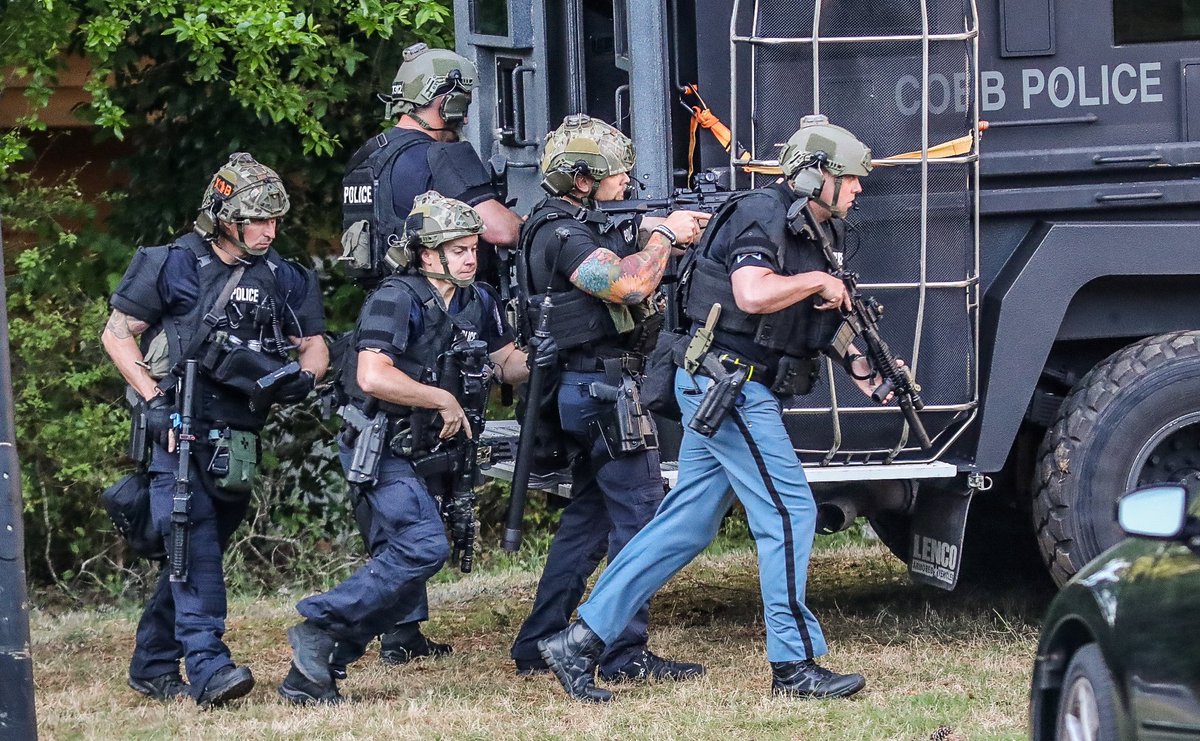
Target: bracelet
x,y
665,230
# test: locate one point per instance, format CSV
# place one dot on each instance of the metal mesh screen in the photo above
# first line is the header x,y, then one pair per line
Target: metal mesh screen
x,y
874,90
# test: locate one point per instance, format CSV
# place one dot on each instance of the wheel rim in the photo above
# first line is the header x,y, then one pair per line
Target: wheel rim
x,y
1171,454
1081,714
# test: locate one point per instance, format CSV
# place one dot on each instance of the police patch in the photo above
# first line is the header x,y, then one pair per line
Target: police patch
x,y
223,186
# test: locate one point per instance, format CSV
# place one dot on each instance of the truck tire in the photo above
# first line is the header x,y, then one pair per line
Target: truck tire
x,y
1133,420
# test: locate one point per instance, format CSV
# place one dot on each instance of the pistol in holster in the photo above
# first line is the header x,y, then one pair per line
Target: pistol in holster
x,y
722,394
369,441
626,427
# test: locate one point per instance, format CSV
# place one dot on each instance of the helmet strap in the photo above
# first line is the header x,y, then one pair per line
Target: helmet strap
x,y
445,274
425,124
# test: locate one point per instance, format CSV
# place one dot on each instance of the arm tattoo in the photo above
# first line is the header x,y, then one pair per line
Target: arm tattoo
x,y
623,281
122,326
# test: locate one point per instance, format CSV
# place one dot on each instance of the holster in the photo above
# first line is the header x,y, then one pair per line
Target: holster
x,y
626,426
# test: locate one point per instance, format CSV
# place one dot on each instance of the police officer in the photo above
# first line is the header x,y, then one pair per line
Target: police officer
x,y
764,264
604,317
222,294
429,99
407,325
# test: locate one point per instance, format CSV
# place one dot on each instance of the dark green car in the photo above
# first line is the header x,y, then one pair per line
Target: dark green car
x,y
1119,655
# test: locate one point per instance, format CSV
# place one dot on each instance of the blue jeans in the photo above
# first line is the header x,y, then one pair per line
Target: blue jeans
x,y
611,500
408,546
187,619
749,457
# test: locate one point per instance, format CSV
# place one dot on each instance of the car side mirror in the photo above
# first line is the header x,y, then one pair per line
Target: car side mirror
x,y
1158,511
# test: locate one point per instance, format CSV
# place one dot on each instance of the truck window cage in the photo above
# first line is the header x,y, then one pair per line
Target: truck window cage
x,y
754,43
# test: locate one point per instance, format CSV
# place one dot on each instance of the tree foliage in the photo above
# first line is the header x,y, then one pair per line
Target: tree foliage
x,y
184,83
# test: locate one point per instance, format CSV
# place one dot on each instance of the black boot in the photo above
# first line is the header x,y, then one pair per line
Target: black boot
x,y
163,687
406,643
300,690
229,683
531,667
311,650
647,665
571,654
344,654
808,679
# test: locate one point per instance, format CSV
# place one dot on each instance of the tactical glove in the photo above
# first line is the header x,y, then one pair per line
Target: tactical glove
x,y
159,420
543,352
296,388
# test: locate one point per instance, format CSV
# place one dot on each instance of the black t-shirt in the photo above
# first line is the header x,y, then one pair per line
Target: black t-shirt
x,y
412,176
397,301
755,235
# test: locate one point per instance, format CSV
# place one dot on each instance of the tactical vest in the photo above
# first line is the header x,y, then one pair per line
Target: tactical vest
x,y
253,317
799,330
370,224
578,319
421,358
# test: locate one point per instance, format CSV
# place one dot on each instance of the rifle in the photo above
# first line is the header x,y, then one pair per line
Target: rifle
x,y
704,197
181,502
524,461
863,321
468,359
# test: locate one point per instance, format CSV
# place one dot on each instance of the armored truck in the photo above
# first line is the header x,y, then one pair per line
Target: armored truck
x,y
1032,228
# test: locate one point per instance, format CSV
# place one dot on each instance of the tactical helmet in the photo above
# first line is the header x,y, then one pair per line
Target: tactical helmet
x,y
819,145
243,189
434,221
427,73
583,146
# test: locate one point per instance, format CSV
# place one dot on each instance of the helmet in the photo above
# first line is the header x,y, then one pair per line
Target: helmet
x,y
817,146
427,73
433,221
241,190
583,146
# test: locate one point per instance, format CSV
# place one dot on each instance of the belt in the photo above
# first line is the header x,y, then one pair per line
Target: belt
x,y
590,364
755,371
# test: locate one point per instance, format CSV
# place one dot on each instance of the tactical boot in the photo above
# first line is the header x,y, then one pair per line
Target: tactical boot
x,y
311,649
344,654
646,665
571,654
229,683
808,679
406,643
163,687
300,690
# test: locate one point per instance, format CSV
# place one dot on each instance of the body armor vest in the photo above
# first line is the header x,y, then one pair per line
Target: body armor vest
x,y
253,318
578,319
799,330
421,358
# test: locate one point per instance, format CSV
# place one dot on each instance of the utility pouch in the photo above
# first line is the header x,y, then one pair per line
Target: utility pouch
x,y
157,358
235,460
823,326
795,376
356,246
231,363
127,503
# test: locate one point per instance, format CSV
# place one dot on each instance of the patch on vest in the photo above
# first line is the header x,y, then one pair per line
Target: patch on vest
x,y
245,294
356,194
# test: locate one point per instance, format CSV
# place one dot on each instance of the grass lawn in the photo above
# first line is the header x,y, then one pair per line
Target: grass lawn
x,y
960,662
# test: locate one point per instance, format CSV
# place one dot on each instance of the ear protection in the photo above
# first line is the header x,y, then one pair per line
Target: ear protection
x,y
403,247
809,178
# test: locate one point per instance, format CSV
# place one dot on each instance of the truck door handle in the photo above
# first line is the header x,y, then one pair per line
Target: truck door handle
x,y
516,136
1152,195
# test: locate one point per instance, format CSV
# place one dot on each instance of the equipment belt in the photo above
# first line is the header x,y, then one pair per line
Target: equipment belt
x,y
590,364
757,371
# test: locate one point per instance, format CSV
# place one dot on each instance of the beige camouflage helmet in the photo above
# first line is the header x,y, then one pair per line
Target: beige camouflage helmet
x,y
435,220
833,148
583,146
424,72
243,189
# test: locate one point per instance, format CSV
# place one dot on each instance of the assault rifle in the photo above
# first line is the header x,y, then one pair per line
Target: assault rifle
x,y
863,321
465,365
708,200
181,502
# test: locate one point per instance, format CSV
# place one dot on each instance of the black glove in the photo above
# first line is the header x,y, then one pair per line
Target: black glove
x,y
159,420
543,352
296,388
